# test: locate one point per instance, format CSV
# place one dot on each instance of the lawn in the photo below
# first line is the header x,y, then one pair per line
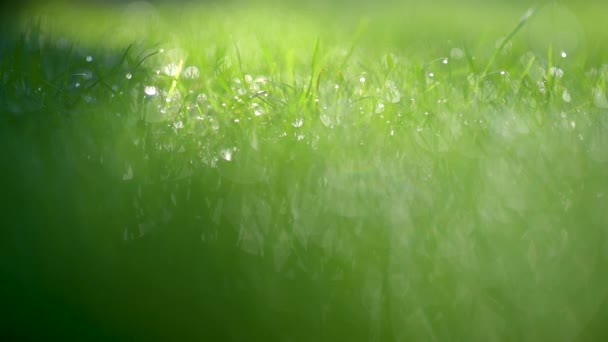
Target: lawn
x,y
266,171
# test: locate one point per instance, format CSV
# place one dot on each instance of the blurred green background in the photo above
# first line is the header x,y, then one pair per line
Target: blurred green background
x,y
340,170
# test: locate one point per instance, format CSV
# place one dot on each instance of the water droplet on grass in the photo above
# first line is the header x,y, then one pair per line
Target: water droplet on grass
x,y
380,108
77,85
393,95
298,123
89,59
431,75
362,80
129,76
445,61
226,154
326,120
456,53
566,96
128,175
171,69
564,54
599,98
191,72
556,72
150,90
419,129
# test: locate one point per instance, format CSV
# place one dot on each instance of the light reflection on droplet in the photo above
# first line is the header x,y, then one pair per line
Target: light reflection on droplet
x,y
298,123
431,75
445,61
129,76
362,80
150,90
419,129
77,85
226,154
564,54
89,59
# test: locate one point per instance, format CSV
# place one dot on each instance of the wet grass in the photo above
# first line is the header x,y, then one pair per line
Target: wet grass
x,y
264,173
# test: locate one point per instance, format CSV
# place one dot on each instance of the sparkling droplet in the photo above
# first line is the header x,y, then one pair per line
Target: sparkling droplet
x,y
564,54
362,80
150,90
129,76
297,123
445,61
226,154
89,59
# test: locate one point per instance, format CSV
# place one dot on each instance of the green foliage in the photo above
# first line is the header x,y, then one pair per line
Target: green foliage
x,y
257,173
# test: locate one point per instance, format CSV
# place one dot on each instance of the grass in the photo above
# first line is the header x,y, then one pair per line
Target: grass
x,y
241,172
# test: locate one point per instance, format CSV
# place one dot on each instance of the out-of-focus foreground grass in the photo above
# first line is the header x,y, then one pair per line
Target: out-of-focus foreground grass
x,y
300,172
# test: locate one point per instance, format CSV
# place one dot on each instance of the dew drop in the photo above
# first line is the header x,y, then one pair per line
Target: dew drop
x,y
445,61
171,69
362,80
566,96
89,59
456,53
298,123
564,54
226,154
150,90
556,72
129,76
191,72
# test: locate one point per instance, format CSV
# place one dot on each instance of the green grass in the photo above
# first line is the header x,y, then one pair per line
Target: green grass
x,y
239,172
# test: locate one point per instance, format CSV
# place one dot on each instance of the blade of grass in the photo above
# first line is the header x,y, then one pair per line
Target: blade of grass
x,y
520,25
